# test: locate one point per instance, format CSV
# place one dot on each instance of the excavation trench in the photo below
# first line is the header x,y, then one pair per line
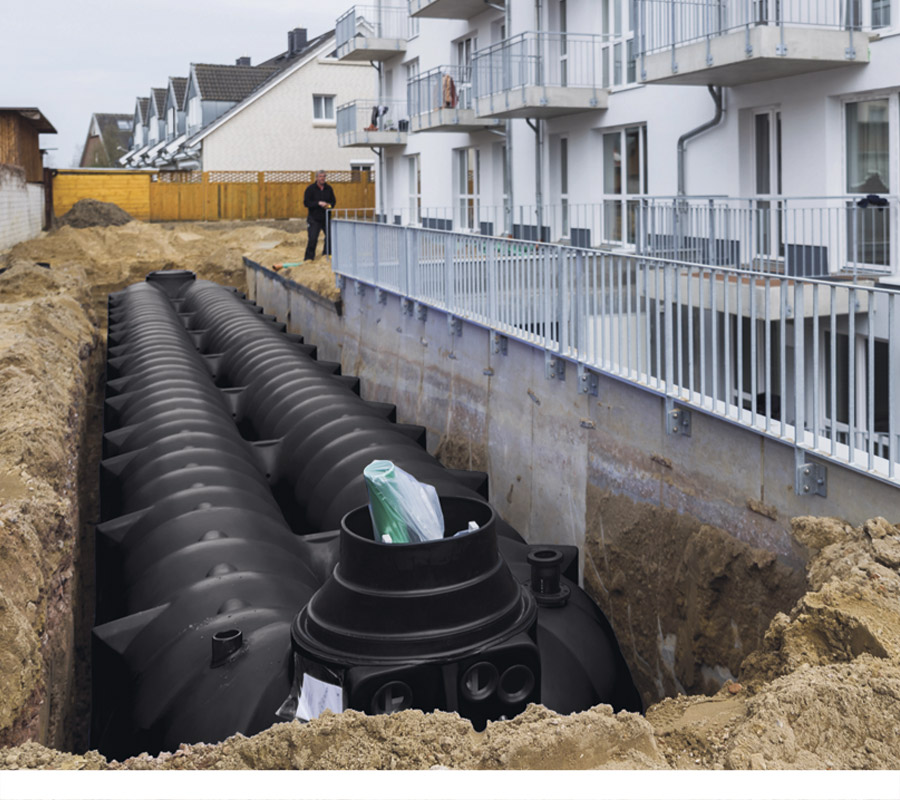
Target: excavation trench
x,y
689,603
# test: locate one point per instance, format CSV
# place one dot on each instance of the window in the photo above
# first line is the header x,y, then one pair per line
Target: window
x,y
468,186
170,121
624,180
195,114
867,147
618,61
415,189
412,29
868,157
124,125
323,107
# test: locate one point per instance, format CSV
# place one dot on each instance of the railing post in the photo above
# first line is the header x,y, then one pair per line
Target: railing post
x,y
578,297
642,37
449,266
561,306
673,6
799,366
375,253
669,276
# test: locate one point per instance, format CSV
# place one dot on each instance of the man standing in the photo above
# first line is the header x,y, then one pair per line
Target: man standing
x,y
318,198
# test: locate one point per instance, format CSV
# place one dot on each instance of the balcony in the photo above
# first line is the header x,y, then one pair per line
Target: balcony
x,y
372,123
451,9
734,42
371,33
541,75
441,100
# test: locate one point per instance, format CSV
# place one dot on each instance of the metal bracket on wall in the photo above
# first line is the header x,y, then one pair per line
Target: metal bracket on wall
x,y
780,50
360,288
499,344
421,312
454,325
555,366
812,478
678,419
588,381
406,306
850,53
381,297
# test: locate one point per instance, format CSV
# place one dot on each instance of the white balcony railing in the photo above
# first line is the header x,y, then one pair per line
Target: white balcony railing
x,y
446,87
383,121
855,235
664,24
368,23
544,60
813,364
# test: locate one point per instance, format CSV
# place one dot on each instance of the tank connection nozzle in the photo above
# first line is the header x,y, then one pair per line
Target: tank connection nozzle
x,y
546,585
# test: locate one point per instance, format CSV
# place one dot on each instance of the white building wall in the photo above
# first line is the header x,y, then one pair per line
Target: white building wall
x,y
277,130
21,207
718,162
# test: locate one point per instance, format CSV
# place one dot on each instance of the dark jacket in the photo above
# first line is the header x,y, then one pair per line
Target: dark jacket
x,y
311,198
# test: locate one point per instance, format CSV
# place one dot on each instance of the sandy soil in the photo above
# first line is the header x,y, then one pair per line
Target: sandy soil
x,y
820,687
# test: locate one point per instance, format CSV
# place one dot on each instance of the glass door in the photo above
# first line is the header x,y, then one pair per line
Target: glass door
x,y
768,241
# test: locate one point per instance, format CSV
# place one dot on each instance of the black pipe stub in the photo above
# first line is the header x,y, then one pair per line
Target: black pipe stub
x,y
546,584
172,281
426,601
224,644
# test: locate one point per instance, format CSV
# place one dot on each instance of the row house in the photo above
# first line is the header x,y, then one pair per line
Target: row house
x,y
654,152
276,115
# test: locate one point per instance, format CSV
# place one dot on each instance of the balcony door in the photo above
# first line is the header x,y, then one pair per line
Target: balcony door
x,y
624,182
768,241
468,187
464,50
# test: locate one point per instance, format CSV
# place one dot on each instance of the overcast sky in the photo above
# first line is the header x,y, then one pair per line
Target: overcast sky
x,y
70,58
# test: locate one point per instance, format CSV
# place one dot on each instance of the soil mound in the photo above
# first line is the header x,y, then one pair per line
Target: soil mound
x,y
94,214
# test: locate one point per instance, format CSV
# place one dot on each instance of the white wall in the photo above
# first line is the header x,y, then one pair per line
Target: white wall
x,y
277,130
21,207
719,161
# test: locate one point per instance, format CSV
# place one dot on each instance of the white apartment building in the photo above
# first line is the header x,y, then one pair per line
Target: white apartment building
x,y
672,145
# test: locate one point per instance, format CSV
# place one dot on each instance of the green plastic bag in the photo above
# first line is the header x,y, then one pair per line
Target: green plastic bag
x,y
403,510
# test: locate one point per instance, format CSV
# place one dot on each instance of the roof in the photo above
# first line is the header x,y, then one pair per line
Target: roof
x,y
229,82
287,66
179,86
143,103
115,137
33,117
159,98
286,59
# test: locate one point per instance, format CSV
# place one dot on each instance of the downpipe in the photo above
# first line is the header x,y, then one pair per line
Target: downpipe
x,y
718,96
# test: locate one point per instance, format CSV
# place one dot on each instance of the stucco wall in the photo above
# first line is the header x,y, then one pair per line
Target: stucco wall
x,y
21,207
277,131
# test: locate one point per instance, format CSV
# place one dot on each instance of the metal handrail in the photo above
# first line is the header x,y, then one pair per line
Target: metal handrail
x,y
814,364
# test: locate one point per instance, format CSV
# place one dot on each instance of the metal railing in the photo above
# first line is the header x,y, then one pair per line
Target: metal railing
x,y
811,363
804,236
666,24
448,86
856,235
358,118
544,59
384,21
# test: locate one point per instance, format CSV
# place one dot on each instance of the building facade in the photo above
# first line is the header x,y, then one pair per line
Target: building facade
x,y
655,152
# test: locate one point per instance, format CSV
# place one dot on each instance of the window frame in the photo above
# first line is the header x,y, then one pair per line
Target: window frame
x,y
324,119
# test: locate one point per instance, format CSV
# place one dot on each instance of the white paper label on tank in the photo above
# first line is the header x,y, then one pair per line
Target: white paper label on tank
x,y
316,696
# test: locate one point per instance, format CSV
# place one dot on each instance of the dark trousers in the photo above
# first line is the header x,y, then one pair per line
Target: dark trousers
x,y
313,227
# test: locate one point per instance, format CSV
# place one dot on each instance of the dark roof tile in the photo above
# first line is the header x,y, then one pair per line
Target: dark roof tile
x,y
229,82
179,85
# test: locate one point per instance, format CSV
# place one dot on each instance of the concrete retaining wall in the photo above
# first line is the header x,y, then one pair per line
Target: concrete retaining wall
x,y
545,444
21,207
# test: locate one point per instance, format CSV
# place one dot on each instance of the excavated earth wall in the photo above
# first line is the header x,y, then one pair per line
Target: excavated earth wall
x,y
820,687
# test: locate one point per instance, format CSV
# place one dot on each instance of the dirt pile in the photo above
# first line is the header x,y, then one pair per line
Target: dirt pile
x,y
115,257
50,356
90,213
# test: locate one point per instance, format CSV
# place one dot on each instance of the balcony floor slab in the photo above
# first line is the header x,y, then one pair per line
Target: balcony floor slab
x,y
805,50
373,139
364,48
448,9
541,102
460,120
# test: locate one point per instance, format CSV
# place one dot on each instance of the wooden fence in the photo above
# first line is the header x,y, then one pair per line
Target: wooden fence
x,y
192,196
